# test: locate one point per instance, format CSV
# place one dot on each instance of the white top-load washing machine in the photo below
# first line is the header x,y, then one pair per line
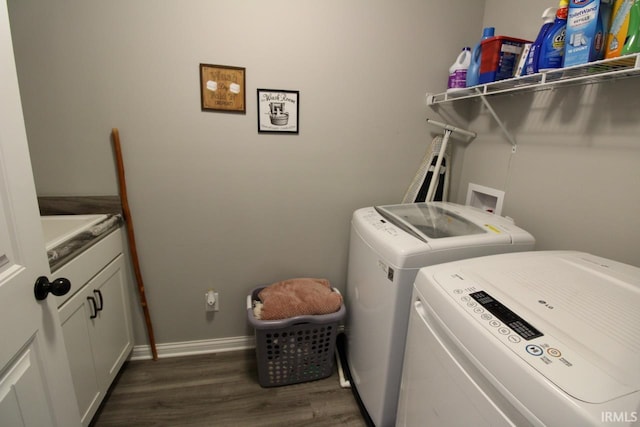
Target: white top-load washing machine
x,y
546,338
388,245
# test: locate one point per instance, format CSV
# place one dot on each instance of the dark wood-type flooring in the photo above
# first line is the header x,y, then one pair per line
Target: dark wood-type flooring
x,y
220,390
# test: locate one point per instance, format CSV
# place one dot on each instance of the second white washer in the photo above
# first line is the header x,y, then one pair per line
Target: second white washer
x,y
388,245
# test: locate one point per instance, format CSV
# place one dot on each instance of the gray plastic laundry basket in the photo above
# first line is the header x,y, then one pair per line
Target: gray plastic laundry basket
x,y
294,350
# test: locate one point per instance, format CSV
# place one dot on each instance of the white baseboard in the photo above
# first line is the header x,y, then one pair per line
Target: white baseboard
x,y
190,348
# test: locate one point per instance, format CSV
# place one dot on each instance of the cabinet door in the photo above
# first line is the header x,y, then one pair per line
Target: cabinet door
x,y
77,330
111,338
97,346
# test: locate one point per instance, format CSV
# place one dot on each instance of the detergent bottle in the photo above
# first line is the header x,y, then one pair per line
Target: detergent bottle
x,y
632,43
458,71
473,72
552,48
531,64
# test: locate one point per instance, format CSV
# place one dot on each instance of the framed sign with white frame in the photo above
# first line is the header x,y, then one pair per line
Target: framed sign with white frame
x,y
278,111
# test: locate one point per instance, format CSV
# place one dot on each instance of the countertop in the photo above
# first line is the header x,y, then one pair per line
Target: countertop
x,y
69,249
79,205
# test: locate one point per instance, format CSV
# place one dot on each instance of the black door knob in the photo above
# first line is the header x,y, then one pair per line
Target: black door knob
x,y
58,287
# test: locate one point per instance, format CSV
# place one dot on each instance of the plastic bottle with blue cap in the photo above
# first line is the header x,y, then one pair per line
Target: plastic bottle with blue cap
x,y
531,64
473,72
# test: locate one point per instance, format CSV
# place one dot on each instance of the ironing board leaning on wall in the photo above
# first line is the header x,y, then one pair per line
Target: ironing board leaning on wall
x,y
436,162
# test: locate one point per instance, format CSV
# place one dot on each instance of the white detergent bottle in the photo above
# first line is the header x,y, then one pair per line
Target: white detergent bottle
x,y
458,71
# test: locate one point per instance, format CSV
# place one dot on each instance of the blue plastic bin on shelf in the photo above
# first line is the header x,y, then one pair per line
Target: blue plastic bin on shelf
x,y
294,350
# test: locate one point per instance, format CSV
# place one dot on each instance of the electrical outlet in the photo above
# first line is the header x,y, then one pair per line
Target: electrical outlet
x,y
211,300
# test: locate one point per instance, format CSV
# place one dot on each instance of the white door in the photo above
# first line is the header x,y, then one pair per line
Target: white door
x,y
35,383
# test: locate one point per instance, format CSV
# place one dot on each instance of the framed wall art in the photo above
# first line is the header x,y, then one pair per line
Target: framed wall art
x,y
222,88
278,111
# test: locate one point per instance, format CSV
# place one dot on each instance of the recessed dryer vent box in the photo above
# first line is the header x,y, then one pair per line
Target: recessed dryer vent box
x,y
485,198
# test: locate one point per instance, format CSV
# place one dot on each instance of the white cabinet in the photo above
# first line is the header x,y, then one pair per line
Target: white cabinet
x,y
96,321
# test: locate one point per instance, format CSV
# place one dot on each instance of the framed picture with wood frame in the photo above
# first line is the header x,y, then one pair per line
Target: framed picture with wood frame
x,y
222,88
278,111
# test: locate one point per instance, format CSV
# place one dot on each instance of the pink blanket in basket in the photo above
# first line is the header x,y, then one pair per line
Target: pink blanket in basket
x,y
296,297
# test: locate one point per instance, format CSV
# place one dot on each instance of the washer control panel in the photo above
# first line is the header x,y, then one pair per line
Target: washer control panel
x,y
375,220
516,323
514,331
552,358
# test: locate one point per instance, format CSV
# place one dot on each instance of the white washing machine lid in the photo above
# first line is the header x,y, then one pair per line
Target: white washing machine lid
x,y
445,225
398,240
429,221
578,315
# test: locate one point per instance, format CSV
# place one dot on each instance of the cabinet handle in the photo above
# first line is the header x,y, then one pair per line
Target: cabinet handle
x,y
95,308
97,292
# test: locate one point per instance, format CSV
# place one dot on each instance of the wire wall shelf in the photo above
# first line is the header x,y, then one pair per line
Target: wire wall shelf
x,y
593,72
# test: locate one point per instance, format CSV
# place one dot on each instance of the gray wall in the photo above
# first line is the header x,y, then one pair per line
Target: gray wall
x,y
214,203
574,180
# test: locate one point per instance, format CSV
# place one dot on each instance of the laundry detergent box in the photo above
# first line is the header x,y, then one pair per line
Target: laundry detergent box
x,y
620,15
587,24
